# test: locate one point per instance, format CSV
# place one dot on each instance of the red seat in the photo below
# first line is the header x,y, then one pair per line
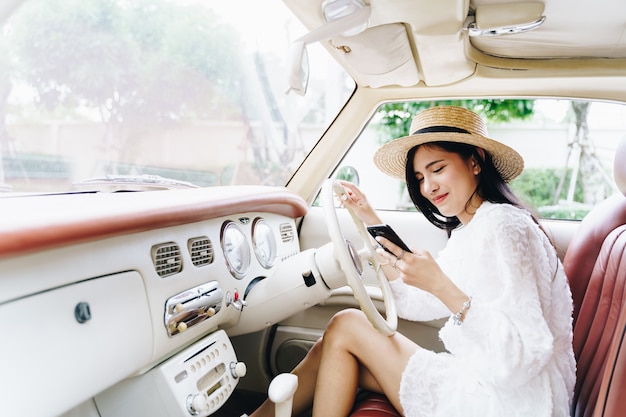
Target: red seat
x,y
595,264
596,330
584,249
374,405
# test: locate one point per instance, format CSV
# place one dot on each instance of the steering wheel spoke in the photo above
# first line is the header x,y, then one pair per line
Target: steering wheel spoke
x,y
350,259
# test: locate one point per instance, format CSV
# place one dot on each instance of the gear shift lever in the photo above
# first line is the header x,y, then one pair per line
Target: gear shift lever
x,y
281,391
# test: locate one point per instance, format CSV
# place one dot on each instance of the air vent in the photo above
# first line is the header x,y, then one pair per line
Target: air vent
x,y
167,259
286,232
201,250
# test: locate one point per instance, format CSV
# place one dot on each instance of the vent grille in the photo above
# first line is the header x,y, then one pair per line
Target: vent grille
x,y
286,232
167,259
201,250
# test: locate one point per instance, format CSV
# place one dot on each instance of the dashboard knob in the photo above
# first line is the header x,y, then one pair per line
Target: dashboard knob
x,y
197,404
238,369
182,326
179,308
210,311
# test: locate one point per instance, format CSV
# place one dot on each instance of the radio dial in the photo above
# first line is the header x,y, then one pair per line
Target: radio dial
x,y
197,404
238,369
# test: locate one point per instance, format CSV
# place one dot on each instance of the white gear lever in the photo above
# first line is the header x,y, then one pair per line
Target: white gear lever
x,y
281,391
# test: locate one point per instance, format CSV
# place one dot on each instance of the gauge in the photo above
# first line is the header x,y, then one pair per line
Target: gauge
x,y
264,242
236,249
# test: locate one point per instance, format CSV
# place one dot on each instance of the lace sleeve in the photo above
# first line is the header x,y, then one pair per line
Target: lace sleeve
x,y
415,304
505,337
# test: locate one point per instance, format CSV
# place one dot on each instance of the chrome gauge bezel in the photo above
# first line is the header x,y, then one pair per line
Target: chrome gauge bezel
x,y
236,249
356,259
264,243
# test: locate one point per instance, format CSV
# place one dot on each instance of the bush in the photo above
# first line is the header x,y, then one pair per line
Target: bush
x,y
574,211
537,187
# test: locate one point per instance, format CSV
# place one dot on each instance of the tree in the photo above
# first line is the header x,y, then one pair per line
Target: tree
x,y
116,57
395,118
587,169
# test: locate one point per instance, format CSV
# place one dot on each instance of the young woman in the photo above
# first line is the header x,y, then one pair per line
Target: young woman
x,y
499,280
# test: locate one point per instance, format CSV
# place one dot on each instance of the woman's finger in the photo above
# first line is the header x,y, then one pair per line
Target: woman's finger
x,y
395,250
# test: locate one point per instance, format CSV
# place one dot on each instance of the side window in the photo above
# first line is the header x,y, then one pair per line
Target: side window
x,y
568,148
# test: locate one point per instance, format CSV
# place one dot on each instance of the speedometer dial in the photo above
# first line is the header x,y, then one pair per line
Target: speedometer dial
x,y
236,249
264,243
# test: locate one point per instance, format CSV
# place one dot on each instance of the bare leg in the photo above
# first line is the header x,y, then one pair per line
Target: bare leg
x,y
355,354
338,375
351,354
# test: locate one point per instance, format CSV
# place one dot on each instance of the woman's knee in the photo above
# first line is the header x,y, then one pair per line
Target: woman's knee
x,y
344,325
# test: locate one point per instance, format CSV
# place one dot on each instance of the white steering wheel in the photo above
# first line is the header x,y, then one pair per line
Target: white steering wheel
x,y
350,262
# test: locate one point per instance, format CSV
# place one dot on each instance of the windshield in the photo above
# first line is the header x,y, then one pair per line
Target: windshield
x,y
156,93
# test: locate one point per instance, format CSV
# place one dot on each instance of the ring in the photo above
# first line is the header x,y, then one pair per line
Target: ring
x,y
401,255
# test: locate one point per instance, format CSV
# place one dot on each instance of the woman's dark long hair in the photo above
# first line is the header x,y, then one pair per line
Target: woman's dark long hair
x,y
491,187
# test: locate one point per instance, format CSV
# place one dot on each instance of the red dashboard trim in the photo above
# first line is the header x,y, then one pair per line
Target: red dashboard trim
x,y
36,222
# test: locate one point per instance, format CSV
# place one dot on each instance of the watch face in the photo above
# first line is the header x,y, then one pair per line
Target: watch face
x,y
236,249
264,243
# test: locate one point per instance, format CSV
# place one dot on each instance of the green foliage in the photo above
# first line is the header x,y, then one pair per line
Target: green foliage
x,y
394,119
349,174
29,166
536,187
565,212
140,61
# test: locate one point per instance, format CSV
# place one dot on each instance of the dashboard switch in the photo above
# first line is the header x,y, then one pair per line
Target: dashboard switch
x,y
235,301
309,278
238,369
197,404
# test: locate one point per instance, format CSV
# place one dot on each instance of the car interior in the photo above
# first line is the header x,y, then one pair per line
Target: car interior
x,y
171,242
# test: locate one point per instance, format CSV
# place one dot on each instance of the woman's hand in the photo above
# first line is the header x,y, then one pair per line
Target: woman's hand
x,y
419,269
356,200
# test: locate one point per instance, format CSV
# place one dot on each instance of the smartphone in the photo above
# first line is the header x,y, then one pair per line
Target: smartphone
x,y
387,232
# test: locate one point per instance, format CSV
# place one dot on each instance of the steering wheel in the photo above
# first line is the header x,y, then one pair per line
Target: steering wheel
x,y
350,261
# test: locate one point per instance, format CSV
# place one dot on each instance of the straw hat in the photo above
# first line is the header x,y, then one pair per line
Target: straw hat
x,y
447,124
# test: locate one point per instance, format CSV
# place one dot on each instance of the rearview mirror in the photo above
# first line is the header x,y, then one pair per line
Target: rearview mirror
x,y
348,173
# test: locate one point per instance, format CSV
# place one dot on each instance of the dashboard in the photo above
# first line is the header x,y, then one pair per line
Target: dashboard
x,y
111,293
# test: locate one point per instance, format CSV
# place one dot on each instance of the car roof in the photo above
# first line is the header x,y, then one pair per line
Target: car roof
x,y
438,43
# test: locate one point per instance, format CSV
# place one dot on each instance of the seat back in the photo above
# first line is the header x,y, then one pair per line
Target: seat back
x,y
595,264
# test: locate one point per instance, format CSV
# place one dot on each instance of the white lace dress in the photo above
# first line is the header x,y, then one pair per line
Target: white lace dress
x,y
512,356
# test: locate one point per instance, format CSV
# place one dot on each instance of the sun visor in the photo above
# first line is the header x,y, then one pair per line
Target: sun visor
x,y
380,55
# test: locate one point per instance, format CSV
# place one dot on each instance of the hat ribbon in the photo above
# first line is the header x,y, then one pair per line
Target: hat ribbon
x,y
440,129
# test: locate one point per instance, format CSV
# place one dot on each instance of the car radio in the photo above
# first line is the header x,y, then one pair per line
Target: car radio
x,y
195,382
201,378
